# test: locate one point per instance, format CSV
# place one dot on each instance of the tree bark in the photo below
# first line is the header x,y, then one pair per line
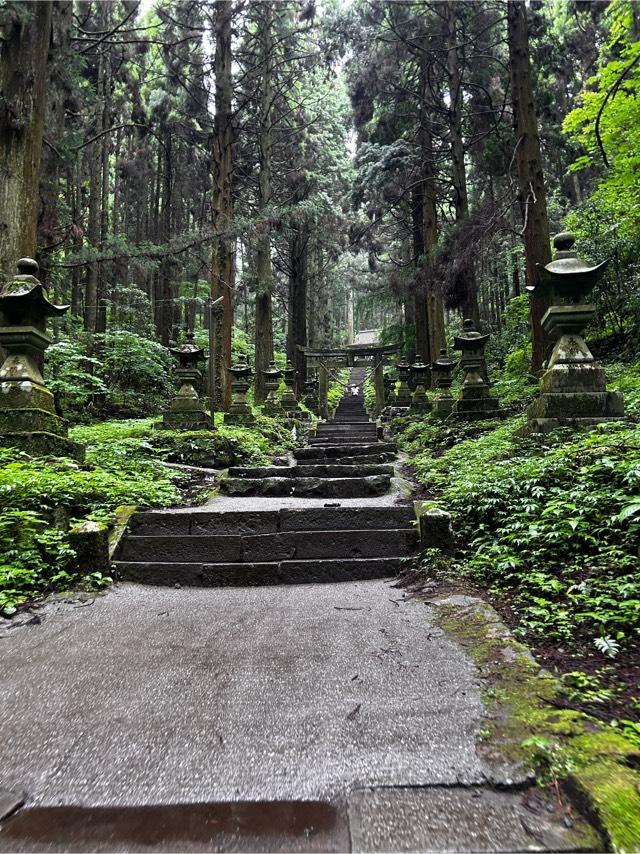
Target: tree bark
x,y
469,305
23,75
530,173
297,329
222,258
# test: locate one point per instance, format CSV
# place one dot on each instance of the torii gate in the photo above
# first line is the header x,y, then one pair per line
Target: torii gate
x,y
353,355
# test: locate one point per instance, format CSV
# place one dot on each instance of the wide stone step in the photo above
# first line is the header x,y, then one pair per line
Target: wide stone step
x,y
246,522
343,440
323,450
318,470
345,487
348,427
364,459
267,548
254,574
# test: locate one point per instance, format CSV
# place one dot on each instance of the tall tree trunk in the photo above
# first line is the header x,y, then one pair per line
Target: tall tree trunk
x,y
96,158
23,75
297,329
531,177
162,301
222,260
469,304
434,306
264,315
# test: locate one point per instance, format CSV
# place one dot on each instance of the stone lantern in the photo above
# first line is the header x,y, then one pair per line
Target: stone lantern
x,y
28,418
442,369
310,398
475,402
403,393
186,410
573,388
272,376
289,402
390,389
239,411
420,373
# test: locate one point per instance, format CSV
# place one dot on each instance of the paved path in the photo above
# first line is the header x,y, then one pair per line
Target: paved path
x,y
161,695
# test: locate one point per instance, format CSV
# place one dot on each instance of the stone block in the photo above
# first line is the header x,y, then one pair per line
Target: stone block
x,y
90,541
42,444
434,526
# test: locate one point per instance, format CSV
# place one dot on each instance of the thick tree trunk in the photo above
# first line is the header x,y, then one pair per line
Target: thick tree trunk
x,y
222,259
23,75
435,337
162,297
469,305
531,178
297,329
264,316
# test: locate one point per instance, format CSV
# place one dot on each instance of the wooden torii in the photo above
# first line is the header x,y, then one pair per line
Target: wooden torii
x,y
353,355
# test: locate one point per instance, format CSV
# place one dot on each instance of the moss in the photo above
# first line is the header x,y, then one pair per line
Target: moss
x,y
525,726
122,516
613,798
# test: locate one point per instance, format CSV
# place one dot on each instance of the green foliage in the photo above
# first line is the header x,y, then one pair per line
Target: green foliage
x,y
551,525
120,370
125,464
335,391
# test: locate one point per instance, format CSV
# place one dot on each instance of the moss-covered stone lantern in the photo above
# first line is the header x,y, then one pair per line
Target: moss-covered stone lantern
x,y
403,393
573,388
443,369
310,394
420,373
186,410
289,402
239,411
28,418
475,401
272,376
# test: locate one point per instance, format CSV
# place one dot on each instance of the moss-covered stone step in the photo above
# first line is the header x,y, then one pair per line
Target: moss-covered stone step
x,y
339,487
343,449
319,470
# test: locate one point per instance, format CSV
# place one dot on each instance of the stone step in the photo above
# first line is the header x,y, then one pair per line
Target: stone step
x,y
254,574
244,522
347,427
346,440
343,449
318,470
338,487
267,548
364,459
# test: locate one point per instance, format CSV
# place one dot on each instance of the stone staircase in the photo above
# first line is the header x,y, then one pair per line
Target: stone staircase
x,y
294,540
344,459
252,547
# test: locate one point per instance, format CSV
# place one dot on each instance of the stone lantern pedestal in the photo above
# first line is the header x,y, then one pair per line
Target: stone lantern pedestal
x,y
475,402
186,410
403,392
310,398
573,389
28,418
419,400
442,369
289,403
240,411
272,405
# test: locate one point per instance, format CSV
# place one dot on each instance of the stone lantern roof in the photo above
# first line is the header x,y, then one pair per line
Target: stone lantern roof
x,y
567,278
24,300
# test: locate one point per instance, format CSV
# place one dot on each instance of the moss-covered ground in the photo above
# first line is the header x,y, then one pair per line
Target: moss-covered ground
x,y
127,462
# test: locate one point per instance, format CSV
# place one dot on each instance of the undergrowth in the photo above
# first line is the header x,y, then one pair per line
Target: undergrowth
x,y
125,464
548,526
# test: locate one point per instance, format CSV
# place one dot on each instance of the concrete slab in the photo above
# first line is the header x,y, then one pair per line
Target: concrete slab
x,y
465,820
155,695
276,826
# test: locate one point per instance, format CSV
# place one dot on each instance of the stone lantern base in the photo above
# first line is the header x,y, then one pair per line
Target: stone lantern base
x,y
28,422
186,410
420,402
476,404
573,390
443,407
